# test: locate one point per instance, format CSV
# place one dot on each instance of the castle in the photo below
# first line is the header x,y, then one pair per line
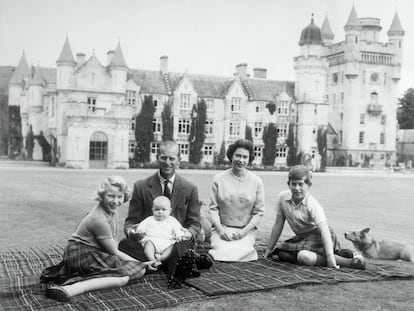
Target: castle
x,y
87,109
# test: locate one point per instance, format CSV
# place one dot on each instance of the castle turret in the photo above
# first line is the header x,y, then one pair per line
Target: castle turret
x,y
396,37
18,81
311,68
65,67
352,28
326,32
119,70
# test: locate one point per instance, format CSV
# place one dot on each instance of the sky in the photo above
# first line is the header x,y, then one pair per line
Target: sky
x,y
198,36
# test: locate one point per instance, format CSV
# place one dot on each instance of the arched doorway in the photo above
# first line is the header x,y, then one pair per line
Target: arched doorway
x,y
98,150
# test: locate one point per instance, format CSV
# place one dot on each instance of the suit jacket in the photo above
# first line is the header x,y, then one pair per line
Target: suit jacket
x,y
185,204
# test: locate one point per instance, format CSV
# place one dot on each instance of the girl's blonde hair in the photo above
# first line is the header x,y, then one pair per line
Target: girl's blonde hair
x,y
114,181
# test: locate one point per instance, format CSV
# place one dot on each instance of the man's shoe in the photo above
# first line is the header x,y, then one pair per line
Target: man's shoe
x,y
358,263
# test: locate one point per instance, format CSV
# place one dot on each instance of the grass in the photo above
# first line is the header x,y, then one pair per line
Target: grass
x,y
41,206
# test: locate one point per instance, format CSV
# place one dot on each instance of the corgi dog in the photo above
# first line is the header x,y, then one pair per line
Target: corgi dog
x,y
373,249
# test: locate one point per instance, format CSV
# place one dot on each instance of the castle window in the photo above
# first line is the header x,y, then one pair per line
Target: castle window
x,y
258,129
184,126
93,79
282,130
131,97
154,148
234,128
155,102
382,138
131,147
183,148
362,118
341,137
185,101
208,128
208,150
281,152
235,104
133,120
361,137
341,116
258,152
52,107
283,107
210,104
92,103
383,119
156,125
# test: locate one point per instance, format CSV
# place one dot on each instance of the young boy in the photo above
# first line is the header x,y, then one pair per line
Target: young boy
x,y
160,231
314,243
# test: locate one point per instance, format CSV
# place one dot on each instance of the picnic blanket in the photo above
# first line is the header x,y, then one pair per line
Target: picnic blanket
x,y
20,288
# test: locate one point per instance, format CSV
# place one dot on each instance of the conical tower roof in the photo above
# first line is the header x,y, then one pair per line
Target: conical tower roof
x,y
326,30
353,20
118,59
22,70
66,55
311,35
37,77
396,28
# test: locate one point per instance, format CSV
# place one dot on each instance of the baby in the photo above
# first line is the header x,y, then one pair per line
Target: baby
x,y
160,231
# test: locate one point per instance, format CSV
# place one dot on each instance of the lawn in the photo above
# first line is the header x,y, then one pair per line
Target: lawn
x,y
42,205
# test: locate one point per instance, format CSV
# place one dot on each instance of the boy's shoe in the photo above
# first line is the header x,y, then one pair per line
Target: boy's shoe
x,y
203,262
346,253
358,263
58,293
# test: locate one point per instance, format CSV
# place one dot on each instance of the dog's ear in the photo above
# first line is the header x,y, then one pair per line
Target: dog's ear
x,y
366,230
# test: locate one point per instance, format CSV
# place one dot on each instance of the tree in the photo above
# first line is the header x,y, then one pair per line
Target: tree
x,y
14,132
46,148
197,133
321,140
405,113
30,143
249,135
167,122
290,142
269,140
222,154
143,130
4,124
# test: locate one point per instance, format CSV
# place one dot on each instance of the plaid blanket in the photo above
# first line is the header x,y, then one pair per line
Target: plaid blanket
x,y
20,288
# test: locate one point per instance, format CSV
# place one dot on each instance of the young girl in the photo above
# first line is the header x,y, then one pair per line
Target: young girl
x,y
315,242
91,259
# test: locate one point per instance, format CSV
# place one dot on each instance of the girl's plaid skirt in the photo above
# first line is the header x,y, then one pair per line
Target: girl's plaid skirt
x,y
81,262
311,241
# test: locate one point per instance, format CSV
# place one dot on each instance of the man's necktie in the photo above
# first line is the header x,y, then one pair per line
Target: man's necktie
x,y
167,191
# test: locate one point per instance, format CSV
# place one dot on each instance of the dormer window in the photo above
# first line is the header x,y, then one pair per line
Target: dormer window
x,y
185,101
131,97
235,104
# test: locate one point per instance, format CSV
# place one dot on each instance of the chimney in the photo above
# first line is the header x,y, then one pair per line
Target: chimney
x,y
109,56
259,73
80,58
164,64
241,70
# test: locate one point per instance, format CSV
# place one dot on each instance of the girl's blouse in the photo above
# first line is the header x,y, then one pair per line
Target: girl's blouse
x,y
235,201
97,225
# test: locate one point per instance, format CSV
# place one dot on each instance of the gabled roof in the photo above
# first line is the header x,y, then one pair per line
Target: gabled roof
x,y
209,86
66,55
331,130
150,81
396,28
268,90
353,20
118,59
22,70
326,30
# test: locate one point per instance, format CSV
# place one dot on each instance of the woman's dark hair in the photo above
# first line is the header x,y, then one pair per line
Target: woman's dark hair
x,y
241,143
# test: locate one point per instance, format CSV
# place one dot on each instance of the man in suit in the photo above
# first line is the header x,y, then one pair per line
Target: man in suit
x,y
185,207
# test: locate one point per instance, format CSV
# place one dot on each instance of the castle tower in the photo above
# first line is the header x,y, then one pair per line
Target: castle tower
x,y
18,81
396,38
326,32
310,88
119,70
65,68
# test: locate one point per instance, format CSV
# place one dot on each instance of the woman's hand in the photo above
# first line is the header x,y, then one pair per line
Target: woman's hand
x,y
268,254
331,262
224,235
239,234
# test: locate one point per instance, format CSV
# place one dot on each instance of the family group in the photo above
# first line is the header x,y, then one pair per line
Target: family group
x,y
163,224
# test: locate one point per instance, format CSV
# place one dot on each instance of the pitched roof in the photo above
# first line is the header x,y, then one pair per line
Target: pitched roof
x,y
118,59
268,90
22,70
353,19
37,78
209,86
396,28
326,30
66,55
150,81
